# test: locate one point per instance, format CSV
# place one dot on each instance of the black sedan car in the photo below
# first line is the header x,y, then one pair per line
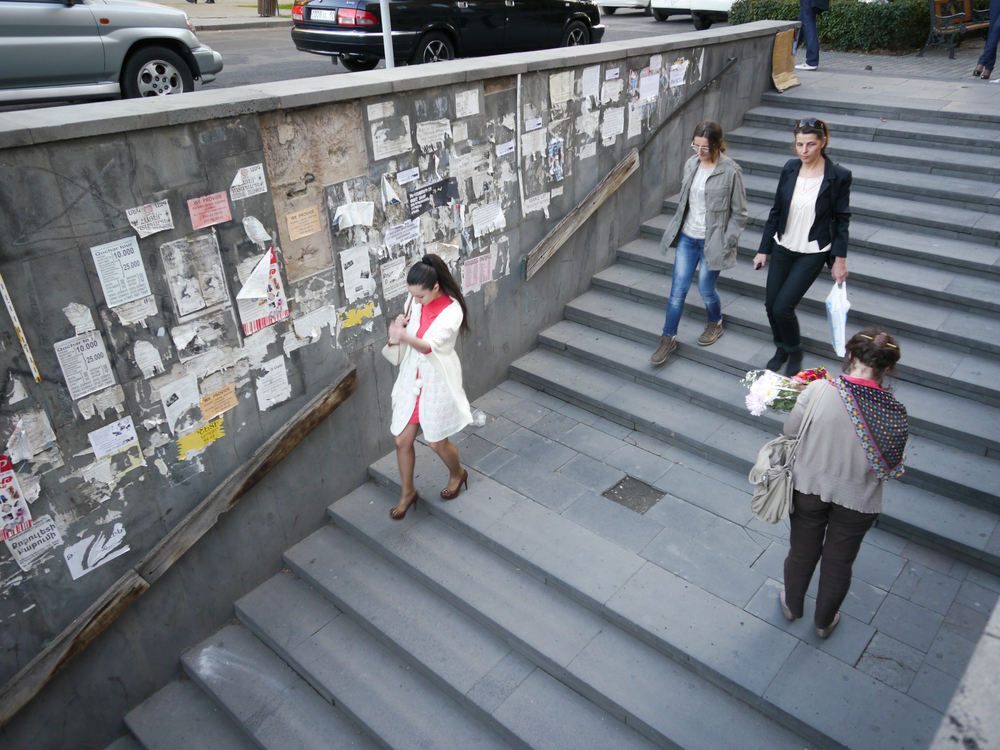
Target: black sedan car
x,y
431,30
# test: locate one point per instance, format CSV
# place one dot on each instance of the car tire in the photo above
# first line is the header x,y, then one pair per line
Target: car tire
x,y
576,33
434,47
701,21
358,64
660,15
155,71
608,10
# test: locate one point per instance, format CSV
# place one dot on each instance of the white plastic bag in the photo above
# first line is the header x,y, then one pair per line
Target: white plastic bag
x,y
837,306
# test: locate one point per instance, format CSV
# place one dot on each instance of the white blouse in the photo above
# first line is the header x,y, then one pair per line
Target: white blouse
x,y
801,215
694,222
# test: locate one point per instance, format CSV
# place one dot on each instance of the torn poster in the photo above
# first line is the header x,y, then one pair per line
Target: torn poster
x,y
591,81
560,87
255,230
532,143
400,234
30,546
477,271
407,176
93,552
136,311
356,316
649,87
200,336
655,62
588,150
150,218
611,74
120,269
31,487
391,138
114,466
17,391
248,181
181,404
467,103
538,202
79,317
273,387
311,325
634,119
193,267
488,218
15,516
218,402
460,132
85,364
209,210
677,73
506,148
303,223
381,110
389,197
393,278
612,124
433,132
611,91
113,437
360,214
440,193
357,269
199,440
31,435
147,358
261,301
555,152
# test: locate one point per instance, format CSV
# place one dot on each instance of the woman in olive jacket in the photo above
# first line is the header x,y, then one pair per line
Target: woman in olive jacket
x,y
711,214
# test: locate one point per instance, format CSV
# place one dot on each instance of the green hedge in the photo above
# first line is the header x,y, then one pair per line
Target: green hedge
x,y
850,25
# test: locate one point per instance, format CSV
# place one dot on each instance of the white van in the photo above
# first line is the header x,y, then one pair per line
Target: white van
x,y
703,12
608,7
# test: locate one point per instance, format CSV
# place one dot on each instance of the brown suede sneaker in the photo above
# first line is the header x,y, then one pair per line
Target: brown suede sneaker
x,y
667,345
711,334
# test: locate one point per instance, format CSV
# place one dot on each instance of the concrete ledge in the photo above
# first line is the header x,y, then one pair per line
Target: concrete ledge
x,y
245,23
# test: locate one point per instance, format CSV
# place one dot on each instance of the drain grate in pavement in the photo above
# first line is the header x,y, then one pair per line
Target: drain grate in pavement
x,y
634,495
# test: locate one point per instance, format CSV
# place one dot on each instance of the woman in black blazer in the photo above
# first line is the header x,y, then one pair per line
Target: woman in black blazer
x,y
807,227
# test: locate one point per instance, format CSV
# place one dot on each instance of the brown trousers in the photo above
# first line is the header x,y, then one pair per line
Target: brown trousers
x,y
833,533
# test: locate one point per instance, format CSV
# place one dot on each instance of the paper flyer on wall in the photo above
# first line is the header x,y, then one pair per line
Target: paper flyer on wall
x,y
193,267
30,546
209,210
248,181
113,437
15,516
150,218
440,193
85,364
121,271
393,278
357,269
261,301
179,398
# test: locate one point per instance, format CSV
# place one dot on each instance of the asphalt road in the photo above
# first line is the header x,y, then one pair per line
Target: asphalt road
x,y
260,56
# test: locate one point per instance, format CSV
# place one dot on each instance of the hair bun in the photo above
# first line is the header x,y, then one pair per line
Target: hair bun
x,y
881,339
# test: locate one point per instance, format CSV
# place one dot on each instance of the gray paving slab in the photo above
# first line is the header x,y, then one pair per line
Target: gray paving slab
x,y
935,591
979,598
496,429
709,493
891,661
549,402
532,480
886,540
580,415
612,428
877,567
638,463
526,413
519,390
591,441
858,710
544,714
950,653
554,425
546,453
984,579
966,622
614,522
933,688
181,715
125,742
732,541
493,461
496,402
287,609
929,558
682,518
473,448
908,580
667,702
596,476
494,688
907,622
276,706
647,443
565,376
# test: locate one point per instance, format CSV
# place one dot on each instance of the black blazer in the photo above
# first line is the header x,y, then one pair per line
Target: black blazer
x,y
833,209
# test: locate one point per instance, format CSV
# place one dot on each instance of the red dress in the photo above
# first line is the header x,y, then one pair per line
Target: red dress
x,y
428,313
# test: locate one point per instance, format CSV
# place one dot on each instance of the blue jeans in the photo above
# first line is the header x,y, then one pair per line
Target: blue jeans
x,y
989,57
808,20
691,253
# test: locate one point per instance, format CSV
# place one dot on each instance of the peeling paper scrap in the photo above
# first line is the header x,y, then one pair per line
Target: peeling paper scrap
x,y
262,303
634,119
199,439
193,267
433,132
611,74
533,124
273,387
209,210
360,214
28,547
303,223
655,62
588,151
532,143
649,87
80,317
460,132
17,390
218,402
150,218
611,91
356,316
93,552
136,311
591,81
247,182
257,283
560,87
255,230
179,397
467,103
15,515
121,271
31,486
488,218
407,176
31,435
85,364
147,358
394,278
613,124
678,71
113,437
381,110
391,139
426,198
389,197
310,326
538,202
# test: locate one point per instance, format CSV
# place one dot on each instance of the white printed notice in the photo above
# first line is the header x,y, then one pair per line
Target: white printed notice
x,y
611,74
677,72
394,278
248,181
407,176
533,124
85,365
273,386
113,437
357,268
30,546
467,103
538,202
506,148
121,271
151,218
634,119
476,272
15,516
649,87
488,218
400,234
560,87
591,81
181,403
613,124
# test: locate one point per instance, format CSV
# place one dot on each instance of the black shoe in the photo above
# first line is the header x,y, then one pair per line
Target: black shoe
x,y
794,365
774,363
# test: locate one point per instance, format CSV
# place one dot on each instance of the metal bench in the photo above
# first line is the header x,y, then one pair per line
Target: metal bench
x,y
950,18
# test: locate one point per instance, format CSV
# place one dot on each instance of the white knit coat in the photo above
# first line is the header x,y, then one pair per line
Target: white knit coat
x,y
444,408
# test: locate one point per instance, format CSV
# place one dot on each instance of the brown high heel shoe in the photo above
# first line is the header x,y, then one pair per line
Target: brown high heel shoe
x,y
451,495
395,515
978,71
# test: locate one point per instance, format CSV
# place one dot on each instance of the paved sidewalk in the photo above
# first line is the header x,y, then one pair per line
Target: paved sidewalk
x,y
227,14
935,63
911,620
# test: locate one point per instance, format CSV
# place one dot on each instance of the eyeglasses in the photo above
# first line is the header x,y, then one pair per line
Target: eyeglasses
x,y
700,149
811,123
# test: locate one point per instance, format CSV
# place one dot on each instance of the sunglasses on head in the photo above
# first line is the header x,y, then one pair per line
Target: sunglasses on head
x,y
811,123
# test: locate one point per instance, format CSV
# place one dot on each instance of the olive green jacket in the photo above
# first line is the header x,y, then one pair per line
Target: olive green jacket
x,y
725,212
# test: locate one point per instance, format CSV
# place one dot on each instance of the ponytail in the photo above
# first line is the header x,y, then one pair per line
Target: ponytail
x,y
432,270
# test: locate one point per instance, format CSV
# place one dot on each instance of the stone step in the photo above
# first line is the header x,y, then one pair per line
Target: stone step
x,y
938,190
125,742
970,534
182,716
959,256
956,142
261,693
482,670
816,100
748,657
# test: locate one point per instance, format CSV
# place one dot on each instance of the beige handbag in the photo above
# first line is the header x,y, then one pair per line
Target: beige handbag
x,y
394,352
771,476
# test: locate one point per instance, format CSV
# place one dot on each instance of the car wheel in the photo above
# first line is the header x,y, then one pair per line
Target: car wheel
x,y
155,71
702,22
434,47
660,15
608,10
576,33
356,64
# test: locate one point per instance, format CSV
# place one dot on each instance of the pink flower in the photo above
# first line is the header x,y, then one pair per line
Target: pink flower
x,y
756,403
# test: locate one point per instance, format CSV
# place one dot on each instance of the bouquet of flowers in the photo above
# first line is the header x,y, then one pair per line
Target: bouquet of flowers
x,y
770,390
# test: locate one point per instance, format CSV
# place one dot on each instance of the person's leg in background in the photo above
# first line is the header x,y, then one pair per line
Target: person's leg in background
x,y
686,259
707,287
989,57
808,521
844,534
808,20
802,270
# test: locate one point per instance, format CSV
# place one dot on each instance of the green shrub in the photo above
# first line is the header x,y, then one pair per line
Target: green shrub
x,y
850,25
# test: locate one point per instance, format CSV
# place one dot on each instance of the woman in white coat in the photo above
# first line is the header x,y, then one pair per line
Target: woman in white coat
x,y
428,392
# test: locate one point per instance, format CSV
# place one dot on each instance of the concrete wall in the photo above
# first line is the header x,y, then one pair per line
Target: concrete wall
x,y
67,177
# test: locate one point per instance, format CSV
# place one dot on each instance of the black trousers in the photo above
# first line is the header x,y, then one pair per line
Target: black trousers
x,y
844,529
789,277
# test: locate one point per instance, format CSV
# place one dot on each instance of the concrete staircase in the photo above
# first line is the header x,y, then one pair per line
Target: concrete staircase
x,y
924,262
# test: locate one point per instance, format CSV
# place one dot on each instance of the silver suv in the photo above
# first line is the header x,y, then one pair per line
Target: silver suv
x,y
95,49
